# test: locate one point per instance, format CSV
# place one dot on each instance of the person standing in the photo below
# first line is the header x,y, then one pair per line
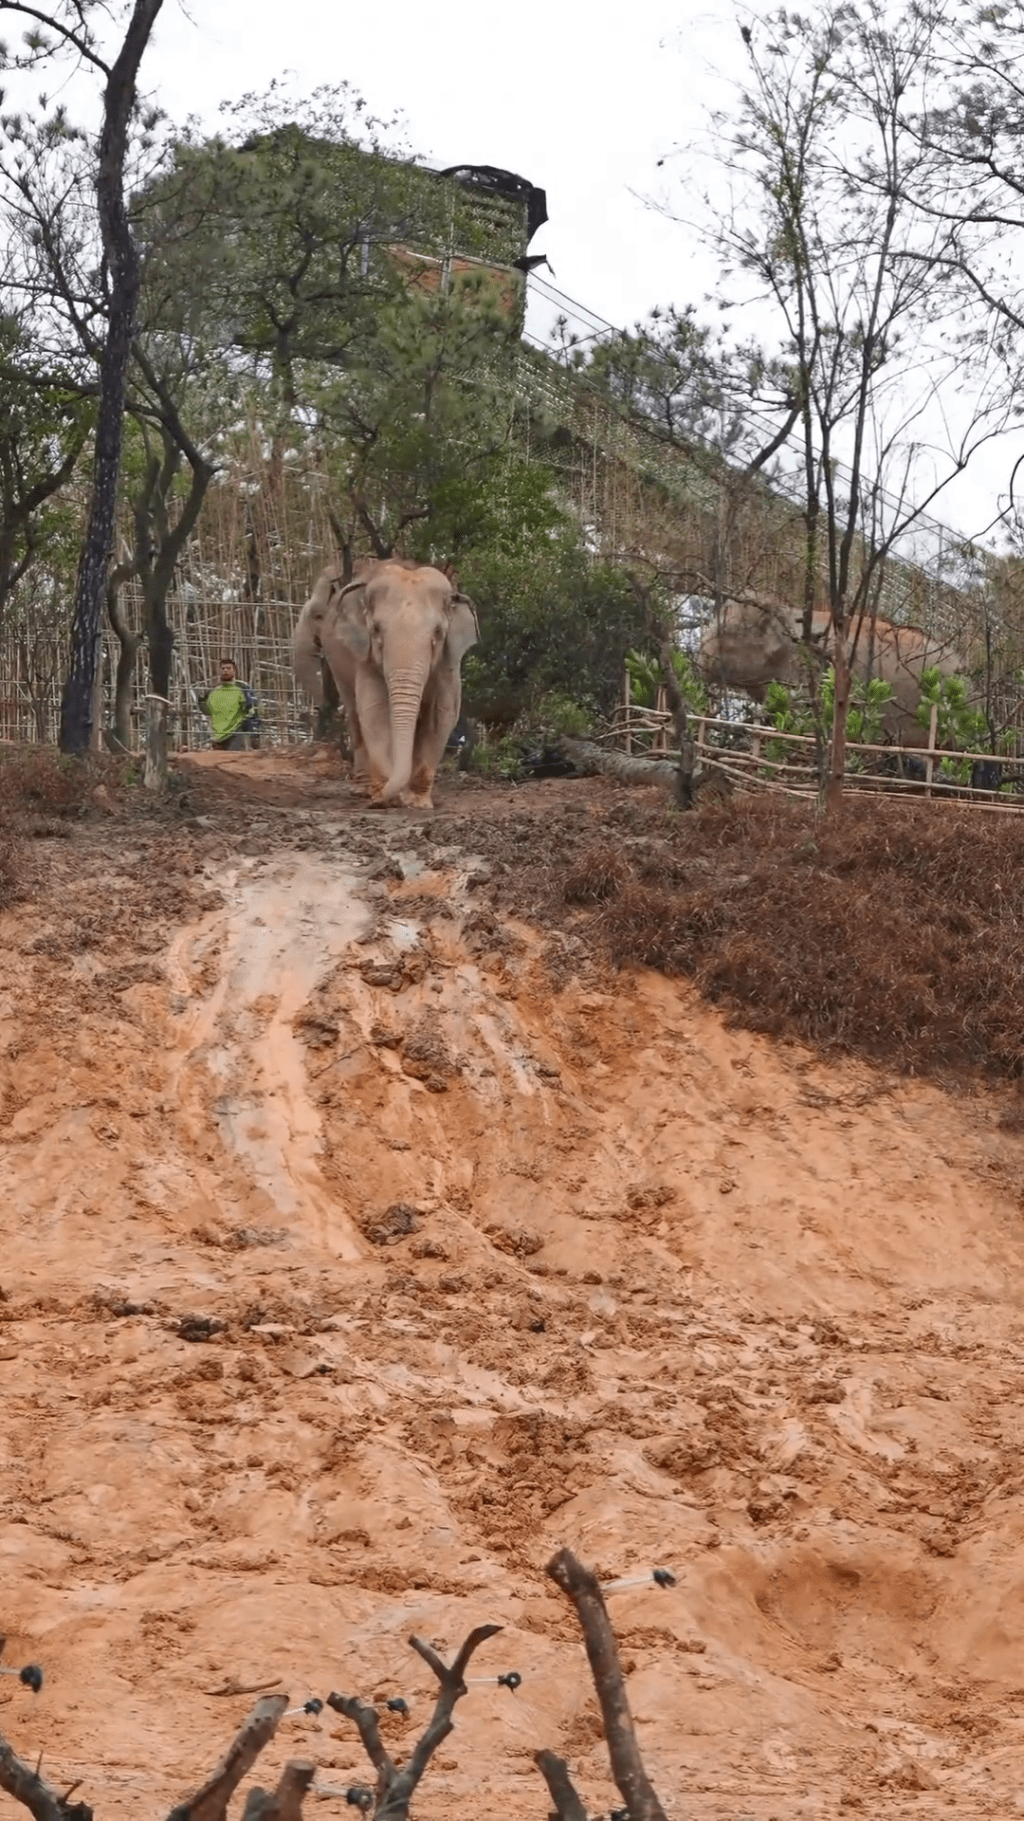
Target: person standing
x,y
231,709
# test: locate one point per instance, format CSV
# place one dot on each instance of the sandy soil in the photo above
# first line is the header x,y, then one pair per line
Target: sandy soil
x,y
357,1254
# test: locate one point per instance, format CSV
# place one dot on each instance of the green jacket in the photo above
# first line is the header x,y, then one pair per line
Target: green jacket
x,y
228,706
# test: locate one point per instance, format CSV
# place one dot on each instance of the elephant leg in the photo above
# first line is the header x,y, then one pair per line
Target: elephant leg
x,y
372,712
360,757
418,795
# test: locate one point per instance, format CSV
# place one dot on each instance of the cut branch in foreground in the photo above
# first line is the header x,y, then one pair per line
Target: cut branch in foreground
x,y
564,1794
210,1803
582,1588
33,1792
285,1803
396,1786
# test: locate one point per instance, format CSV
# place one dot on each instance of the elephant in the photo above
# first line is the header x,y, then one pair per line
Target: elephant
x,y
751,645
394,638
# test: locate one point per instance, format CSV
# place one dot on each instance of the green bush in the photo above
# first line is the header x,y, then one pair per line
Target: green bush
x,y
645,679
865,717
957,724
553,715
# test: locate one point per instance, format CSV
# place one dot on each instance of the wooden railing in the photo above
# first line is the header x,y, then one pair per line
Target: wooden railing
x,y
762,757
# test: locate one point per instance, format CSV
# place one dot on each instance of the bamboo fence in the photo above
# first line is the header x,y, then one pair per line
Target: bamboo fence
x,y
265,532
755,756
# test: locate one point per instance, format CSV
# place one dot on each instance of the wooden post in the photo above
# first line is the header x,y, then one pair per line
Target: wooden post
x,y
157,709
929,764
661,708
627,706
700,735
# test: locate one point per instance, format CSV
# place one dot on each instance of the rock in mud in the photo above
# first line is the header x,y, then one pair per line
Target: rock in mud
x,y
425,1054
396,1223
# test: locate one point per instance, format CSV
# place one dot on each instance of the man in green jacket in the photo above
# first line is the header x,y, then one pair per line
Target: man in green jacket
x,y
231,707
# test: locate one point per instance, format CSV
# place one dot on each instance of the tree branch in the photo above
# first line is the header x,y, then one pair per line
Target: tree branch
x,y
210,1803
285,1803
28,1788
365,1719
581,1587
564,1794
80,43
395,1788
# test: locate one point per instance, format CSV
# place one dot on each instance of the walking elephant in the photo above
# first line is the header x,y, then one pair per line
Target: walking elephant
x,y
394,638
751,645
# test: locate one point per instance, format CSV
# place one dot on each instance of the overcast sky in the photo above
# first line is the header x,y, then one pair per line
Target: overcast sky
x,y
580,99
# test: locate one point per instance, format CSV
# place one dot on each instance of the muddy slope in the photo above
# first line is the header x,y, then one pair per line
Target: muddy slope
x,y
357,1252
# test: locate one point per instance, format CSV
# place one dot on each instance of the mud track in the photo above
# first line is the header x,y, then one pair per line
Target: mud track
x,y
360,1247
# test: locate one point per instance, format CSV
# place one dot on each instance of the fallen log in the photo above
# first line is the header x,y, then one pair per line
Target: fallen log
x,y
590,760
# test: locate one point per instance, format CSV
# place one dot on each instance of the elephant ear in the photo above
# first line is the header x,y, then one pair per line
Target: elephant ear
x,y
463,628
350,619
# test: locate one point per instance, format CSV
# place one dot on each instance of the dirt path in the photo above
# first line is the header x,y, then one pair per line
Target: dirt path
x,y
354,1259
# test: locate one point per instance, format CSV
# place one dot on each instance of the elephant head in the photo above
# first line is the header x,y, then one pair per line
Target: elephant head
x,y
407,623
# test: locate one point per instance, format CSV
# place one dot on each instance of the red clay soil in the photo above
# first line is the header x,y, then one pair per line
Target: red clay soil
x,y
363,1243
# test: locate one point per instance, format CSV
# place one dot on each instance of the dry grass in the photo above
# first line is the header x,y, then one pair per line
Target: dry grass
x,y
598,873
37,782
896,933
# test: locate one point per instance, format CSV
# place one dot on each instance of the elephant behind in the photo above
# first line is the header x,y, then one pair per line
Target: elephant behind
x,y
752,645
394,638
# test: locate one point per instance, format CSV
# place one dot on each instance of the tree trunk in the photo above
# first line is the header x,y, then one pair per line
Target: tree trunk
x,y
680,721
128,651
96,736
123,271
589,759
328,716
161,646
840,715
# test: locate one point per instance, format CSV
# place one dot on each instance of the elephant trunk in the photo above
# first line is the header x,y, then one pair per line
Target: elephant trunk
x,y
405,693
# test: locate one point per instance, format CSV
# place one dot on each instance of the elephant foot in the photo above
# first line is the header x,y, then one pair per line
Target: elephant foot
x,y
416,799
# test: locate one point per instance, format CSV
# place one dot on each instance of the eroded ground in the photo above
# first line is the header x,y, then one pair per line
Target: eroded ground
x,y
362,1245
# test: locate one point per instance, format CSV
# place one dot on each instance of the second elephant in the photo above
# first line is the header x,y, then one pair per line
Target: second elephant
x,y
394,638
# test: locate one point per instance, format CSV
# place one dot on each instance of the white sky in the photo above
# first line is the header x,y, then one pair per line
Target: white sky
x,y
581,100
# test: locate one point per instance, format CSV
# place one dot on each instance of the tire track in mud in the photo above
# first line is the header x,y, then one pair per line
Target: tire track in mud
x,y
609,1328
236,1058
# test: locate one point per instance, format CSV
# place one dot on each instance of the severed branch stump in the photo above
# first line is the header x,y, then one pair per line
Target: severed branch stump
x,y
210,1802
564,1794
285,1802
33,1792
635,1787
396,1785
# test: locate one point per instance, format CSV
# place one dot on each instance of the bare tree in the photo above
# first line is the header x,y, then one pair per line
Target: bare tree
x,y
397,1784
827,232
63,28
